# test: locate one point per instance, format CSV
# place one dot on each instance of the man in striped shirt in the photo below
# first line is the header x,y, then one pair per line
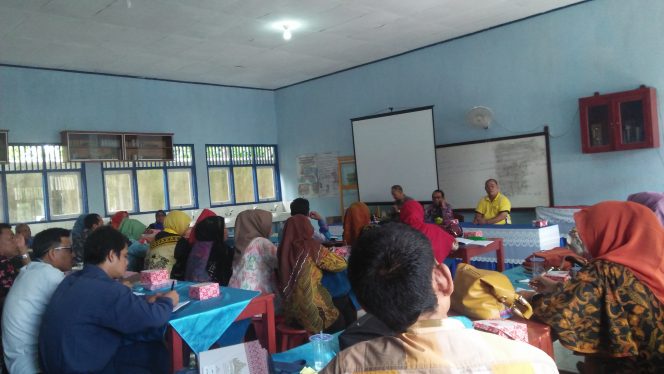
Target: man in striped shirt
x,y
395,277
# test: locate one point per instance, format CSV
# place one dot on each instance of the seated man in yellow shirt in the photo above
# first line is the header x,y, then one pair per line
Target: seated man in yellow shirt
x,y
493,209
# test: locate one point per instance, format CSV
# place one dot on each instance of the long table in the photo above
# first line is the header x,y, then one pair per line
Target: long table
x,y
519,241
199,324
539,335
468,251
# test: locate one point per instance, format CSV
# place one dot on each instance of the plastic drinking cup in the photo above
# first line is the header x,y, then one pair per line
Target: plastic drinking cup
x,y
538,266
323,350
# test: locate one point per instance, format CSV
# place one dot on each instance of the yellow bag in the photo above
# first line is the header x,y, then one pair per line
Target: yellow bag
x,y
486,294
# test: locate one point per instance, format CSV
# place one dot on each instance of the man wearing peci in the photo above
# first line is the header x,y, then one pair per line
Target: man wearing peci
x,y
493,209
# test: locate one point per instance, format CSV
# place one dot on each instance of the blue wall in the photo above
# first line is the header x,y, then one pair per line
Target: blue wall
x,y
531,73
35,105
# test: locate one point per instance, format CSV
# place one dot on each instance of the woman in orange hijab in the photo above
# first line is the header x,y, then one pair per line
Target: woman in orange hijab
x,y
612,310
357,216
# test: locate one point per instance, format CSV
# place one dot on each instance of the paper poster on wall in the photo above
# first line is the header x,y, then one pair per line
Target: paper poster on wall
x,y
328,178
307,179
317,175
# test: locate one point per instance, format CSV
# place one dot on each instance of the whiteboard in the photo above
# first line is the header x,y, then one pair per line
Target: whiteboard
x,y
395,148
520,164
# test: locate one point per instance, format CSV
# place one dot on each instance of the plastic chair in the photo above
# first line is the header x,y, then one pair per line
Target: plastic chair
x,y
291,337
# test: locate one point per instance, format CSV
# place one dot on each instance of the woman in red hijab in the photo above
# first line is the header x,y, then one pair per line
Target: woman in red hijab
x,y
412,214
206,213
611,311
117,218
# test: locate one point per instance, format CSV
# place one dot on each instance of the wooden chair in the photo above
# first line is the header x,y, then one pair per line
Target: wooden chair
x,y
291,337
259,329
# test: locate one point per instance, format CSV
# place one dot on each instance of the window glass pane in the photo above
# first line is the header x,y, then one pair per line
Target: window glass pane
x,y
179,188
119,194
25,195
151,189
219,185
64,194
243,178
265,177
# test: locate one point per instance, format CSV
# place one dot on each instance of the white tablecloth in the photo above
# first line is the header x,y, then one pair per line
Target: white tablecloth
x,y
519,241
561,216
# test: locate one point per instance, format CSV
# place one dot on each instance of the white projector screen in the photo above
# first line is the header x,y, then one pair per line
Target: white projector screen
x,y
395,148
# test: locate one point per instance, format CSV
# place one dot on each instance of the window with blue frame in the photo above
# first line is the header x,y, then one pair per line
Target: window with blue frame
x,y
242,174
39,184
148,186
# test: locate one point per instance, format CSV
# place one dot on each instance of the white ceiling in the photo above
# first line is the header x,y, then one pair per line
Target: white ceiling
x,y
231,42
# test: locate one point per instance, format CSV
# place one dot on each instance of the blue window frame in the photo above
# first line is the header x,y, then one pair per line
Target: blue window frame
x,y
242,174
148,186
39,185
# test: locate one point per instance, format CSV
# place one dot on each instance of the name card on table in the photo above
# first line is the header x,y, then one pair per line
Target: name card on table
x,y
245,358
483,243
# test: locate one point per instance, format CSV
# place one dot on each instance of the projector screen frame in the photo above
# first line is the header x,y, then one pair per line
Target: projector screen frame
x,y
392,113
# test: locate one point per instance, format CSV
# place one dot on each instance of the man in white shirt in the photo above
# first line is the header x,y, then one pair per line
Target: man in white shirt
x,y
29,296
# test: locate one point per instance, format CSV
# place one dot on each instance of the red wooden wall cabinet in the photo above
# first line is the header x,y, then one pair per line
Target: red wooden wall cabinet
x,y
619,121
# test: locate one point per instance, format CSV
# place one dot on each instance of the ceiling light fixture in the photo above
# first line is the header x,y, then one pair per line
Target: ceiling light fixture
x,y
286,27
287,33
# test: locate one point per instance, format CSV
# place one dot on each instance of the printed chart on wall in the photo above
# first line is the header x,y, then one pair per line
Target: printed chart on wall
x,y
521,165
317,175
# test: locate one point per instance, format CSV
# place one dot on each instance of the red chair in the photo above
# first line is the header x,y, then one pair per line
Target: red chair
x,y
259,328
291,337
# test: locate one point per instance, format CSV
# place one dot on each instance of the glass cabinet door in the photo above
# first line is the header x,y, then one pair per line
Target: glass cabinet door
x,y
348,174
348,192
599,125
632,126
619,121
349,197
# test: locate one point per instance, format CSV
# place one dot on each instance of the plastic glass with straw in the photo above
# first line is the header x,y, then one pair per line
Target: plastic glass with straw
x,y
322,348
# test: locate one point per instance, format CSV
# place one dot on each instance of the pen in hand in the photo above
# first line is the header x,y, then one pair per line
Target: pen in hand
x,y
172,285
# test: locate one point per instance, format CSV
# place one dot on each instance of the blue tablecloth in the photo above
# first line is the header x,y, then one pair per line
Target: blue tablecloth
x,y
202,323
304,352
516,275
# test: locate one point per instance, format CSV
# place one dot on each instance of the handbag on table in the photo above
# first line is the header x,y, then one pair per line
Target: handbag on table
x,y
486,294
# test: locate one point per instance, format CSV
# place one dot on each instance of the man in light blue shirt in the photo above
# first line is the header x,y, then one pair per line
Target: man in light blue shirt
x,y
29,296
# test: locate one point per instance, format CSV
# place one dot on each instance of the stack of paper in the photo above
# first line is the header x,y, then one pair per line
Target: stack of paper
x,y
465,241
